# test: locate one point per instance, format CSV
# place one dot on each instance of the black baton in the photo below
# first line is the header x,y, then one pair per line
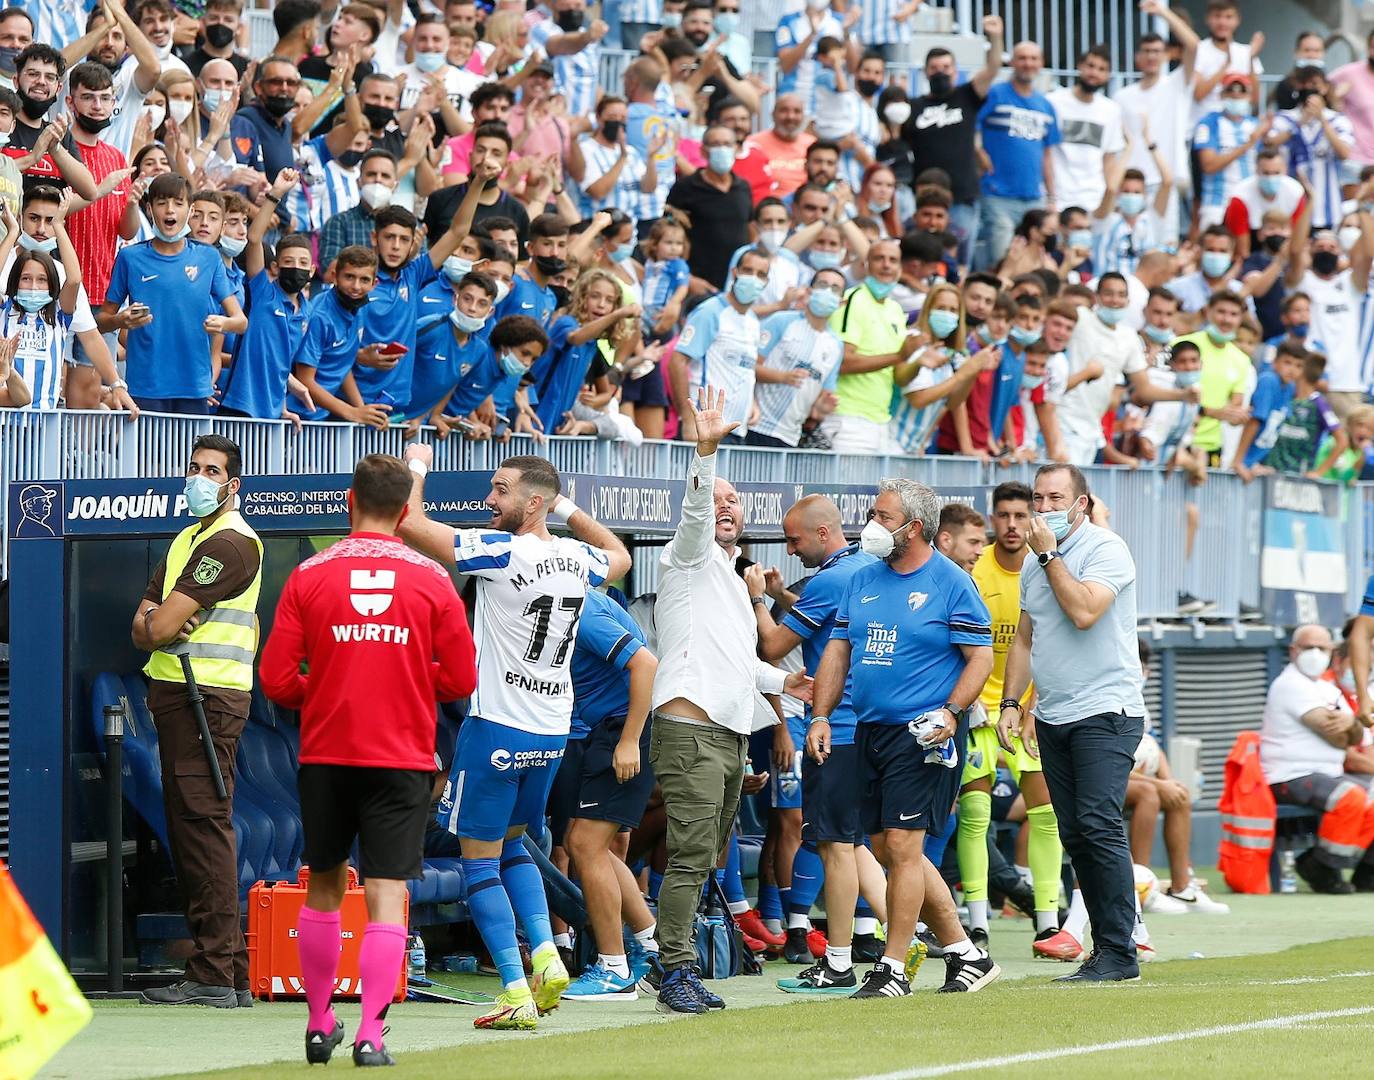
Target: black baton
x,y
197,701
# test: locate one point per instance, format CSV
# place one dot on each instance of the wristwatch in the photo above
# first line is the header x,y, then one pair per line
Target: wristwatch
x,y
118,384
757,600
1047,557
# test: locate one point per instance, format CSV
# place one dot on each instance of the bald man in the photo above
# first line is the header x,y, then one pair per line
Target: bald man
x,y
216,83
830,791
785,144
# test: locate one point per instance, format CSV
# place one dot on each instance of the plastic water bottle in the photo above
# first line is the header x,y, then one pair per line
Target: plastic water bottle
x,y
415,949
1288,872
790,780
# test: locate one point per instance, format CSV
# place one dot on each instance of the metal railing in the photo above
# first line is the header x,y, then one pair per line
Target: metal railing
x,y
1149,509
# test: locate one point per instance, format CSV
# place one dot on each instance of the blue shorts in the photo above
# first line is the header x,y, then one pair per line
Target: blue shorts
x,y
500,779
899,789
567,782
830,798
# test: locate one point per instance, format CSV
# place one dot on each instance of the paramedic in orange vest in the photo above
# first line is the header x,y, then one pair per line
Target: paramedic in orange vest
x,y
202,603
1307,729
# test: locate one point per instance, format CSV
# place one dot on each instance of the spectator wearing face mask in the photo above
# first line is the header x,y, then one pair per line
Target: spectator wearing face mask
x,y
1319,140
376,181
574,45
1225,141
785,269
1309,51
1354,84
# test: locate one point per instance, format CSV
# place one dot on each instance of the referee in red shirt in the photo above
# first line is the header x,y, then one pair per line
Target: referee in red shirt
x,y
385,638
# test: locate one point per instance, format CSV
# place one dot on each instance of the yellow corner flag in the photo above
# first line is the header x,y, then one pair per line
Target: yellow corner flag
x,y
40,1006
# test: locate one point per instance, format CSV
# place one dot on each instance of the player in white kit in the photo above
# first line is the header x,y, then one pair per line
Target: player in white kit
x,y
530,591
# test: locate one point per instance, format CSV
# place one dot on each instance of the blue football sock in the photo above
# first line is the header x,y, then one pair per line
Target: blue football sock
x,y
733,881
655,883
525,887
937,842
807,874
491,911
770,902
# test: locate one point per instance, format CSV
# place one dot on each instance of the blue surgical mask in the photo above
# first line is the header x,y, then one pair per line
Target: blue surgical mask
x,y
823,303
670,20
32,299
468,324
943,323
747,289
1219,337
1236,107
430,61
202,496
879,289
233,245
1058,522
1161,334
28,243
1030,382
212,99
825,260
727,22
1268,186
1215,263
1081,238
512,365
721,159
1298,330
455,269
620,254
1130,203
1186,379
1110,315
172,238
1022,336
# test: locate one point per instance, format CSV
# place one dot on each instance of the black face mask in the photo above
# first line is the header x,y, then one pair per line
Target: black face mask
x,y
941,84
7,57
867,87
347,302
278,105
972,319
1051,242
1325,262
379,115
550,265
90,125
350,159
218,35
1274,244
611,129
293,279
569,21
562,296
33,107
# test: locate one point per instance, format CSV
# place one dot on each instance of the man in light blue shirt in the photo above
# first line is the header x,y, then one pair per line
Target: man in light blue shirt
x,y
1078,635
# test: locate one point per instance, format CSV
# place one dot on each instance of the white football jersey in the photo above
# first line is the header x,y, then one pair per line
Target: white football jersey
x,y
529,600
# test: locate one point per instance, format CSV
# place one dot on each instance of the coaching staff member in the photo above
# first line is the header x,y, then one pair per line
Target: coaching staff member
x,y
1078,633
202,602
913,636
385,638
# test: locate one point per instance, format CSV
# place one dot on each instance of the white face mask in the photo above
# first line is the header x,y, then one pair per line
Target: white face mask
x,y
180,110
156,114
772,239
1349,236
897,113
877,541
1312,662
375,195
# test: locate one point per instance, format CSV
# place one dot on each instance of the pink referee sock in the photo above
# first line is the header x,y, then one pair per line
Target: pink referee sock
x,y
379,964
318,942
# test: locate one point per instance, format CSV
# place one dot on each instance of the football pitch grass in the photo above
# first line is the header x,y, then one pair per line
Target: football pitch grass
x,y
1284,987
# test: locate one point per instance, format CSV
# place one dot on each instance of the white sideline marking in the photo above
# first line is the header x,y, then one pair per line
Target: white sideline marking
x,y
1120,1044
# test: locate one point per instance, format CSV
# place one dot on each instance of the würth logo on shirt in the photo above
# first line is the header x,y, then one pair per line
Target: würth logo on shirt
x,y
377,597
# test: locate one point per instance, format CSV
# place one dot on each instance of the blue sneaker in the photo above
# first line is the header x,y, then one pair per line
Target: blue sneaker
x,y
707,997
638,958
600,983
678,993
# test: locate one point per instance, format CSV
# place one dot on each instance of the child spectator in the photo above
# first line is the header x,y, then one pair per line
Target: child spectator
x,y
837,104
666,278
1165,439
453,350
1309,420
334,332
37,312
1345,466
1269,405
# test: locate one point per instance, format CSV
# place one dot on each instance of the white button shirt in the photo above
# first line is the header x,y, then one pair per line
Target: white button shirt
x,y
707,635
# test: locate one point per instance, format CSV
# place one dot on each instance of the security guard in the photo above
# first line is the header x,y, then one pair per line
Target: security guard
x,y
202,602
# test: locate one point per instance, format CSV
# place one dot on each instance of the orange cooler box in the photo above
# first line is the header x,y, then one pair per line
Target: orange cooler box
x,y
274,967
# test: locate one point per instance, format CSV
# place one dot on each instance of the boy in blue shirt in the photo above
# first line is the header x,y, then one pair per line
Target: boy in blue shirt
x,y
489,395
448,349
529,292
170,283
1269,403
323,361
260,375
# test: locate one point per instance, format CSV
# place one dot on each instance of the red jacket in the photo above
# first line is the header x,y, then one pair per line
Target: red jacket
x,y
385,637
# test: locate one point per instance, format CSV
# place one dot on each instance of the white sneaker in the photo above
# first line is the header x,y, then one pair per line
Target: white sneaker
x,y
1165,904
1194,899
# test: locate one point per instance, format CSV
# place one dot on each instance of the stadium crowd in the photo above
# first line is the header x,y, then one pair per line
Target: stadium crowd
x,y
434,214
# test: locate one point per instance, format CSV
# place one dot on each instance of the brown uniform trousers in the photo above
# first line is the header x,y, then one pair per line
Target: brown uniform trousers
x,y
200,826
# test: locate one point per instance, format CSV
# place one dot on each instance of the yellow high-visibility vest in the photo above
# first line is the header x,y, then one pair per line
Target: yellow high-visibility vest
x,y
222,647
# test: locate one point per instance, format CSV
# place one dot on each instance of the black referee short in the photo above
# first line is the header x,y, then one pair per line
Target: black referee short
x,y
567,782
830,798
898,788
601,797
383,809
